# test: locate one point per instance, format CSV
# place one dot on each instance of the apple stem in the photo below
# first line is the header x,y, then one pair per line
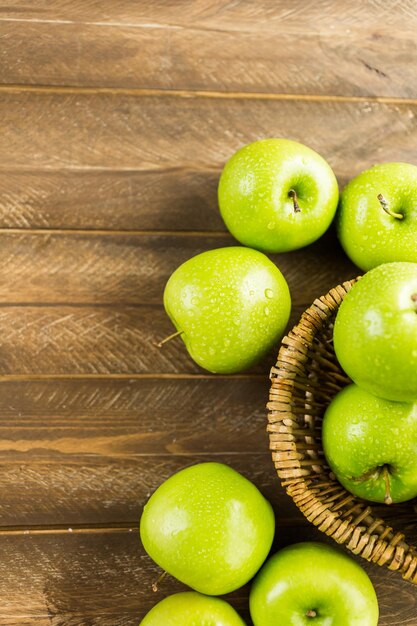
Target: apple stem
x,y
414,300
164,341
293,194
387,497
311,613
157,581
385,206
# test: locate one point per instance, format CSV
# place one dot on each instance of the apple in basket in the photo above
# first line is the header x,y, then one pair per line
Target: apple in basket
x,y
191,608
209,527
375,332
312,583
371,445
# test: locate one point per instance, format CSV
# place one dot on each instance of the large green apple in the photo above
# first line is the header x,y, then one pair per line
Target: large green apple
x,y
377,217
209,527
277,195
312,584
192,609
375,332
371,445
231,305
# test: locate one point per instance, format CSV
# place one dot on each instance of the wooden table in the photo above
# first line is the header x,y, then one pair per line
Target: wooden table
x,y
116,119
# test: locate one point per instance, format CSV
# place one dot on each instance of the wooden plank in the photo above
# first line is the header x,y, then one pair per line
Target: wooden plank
x,y
240,15
133,417
172,199
345,57
46,487
133,269
87,340
103,578
100,131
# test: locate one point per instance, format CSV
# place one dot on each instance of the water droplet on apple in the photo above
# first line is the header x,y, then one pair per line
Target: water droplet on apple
x,y
227,342
251,293
269,293
194,301
270,225
266,310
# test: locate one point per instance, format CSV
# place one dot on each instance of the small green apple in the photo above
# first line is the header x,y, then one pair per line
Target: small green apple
x,y
192,609
371,445
209,527
230,305
312,584
377,217
277,195
375,332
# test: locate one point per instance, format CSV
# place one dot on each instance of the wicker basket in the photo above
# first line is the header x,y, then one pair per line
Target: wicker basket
x,y
303,381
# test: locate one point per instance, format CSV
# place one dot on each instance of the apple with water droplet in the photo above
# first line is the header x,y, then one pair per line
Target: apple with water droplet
x,y
312,584
192,609
377,217
230,306
371,445
277,195
375,332
208,526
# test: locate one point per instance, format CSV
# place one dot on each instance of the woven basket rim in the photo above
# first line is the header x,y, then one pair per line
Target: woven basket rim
x,y
294,427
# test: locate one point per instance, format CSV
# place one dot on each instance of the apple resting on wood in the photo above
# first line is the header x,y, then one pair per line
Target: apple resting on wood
x,y
209,527
312,584
277,195
377,217
230,306
192,609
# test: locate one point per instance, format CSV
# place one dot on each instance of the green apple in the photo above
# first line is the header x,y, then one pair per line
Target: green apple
x,y
277,195
192,609
312,584
230,305
371,445
375,332
209,527
377,217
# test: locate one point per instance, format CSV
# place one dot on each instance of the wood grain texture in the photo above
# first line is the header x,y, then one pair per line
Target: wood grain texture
x,y
111,340
132,269
173,199
47,483
101,131
104,578
134,417
344,58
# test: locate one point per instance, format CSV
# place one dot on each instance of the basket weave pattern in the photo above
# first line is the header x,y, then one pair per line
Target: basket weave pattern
x,y
303,382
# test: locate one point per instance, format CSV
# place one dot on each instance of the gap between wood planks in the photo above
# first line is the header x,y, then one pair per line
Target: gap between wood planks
x,y
138,376
190,93
133,233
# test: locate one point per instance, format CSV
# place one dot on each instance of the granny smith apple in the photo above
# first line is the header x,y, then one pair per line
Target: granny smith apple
x,y
192,609
371,445
277,195
377,217
209,527
375,332
312,584
229,305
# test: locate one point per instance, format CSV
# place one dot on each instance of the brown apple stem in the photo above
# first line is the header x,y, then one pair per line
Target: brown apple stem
x,y
311,613
157,581
293,194
385,206
387,497
164,341
414,300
